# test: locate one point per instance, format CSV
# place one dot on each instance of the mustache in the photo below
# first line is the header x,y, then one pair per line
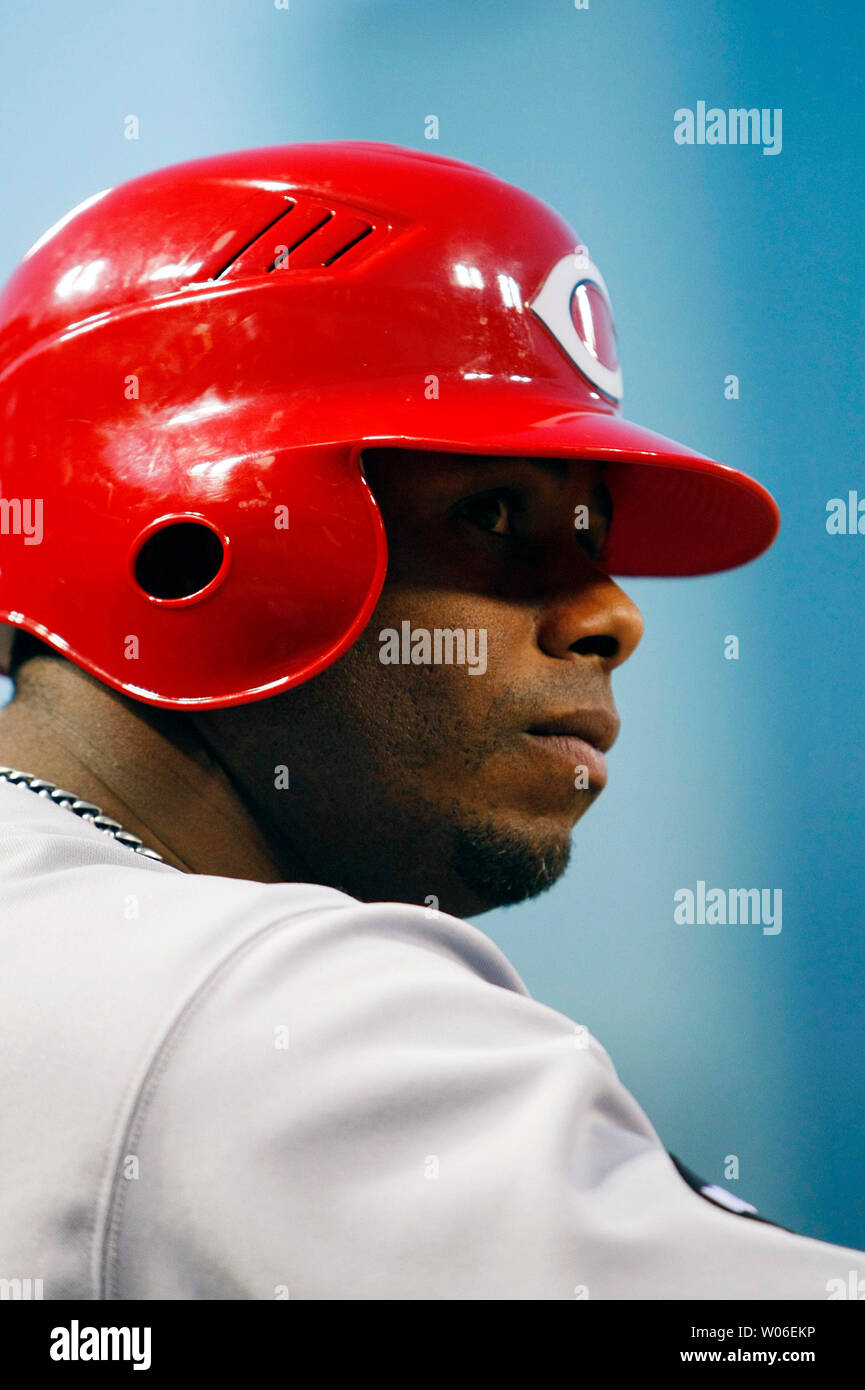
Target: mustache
x,y
524,706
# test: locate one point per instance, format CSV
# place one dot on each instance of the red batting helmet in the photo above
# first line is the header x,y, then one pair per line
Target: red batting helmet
x,y
191,364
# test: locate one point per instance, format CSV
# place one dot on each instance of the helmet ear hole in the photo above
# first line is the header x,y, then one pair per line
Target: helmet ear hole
x,y
179,560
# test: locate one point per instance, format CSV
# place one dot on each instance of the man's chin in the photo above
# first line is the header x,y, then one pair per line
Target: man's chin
x,y
500,866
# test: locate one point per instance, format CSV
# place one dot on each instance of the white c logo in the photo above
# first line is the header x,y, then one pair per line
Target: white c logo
x,y
574,292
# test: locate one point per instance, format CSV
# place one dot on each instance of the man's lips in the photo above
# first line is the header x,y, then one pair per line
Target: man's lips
x,y
580,739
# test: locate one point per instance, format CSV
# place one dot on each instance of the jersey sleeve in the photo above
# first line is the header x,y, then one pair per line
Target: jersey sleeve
x,y
364,1102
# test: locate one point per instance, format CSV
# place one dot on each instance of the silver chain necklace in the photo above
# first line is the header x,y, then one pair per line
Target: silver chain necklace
x,y
84,809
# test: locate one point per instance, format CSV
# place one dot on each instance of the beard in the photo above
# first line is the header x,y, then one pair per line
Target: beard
x,y
502,867
415,835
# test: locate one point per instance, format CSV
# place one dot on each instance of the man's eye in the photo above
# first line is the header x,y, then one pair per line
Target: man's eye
x,y
491,512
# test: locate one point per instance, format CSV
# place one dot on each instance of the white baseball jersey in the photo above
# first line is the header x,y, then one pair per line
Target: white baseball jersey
x,y
219,1089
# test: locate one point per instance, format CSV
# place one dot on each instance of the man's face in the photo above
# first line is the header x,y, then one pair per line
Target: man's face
x,y
434,780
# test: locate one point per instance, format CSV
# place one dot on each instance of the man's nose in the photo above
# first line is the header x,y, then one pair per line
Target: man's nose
x,y
591,617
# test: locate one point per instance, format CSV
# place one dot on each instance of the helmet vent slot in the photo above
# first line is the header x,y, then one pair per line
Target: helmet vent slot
x,y
364,232
242,250
308,235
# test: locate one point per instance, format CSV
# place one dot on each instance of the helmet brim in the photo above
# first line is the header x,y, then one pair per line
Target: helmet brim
x,y
675,512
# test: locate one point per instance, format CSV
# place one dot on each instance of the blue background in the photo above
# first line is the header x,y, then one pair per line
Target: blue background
x,y
719,260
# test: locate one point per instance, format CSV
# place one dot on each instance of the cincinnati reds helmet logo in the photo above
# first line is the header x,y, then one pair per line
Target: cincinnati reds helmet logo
x,y
574,305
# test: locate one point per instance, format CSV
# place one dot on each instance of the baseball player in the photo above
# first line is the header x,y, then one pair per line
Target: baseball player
x,y
313,481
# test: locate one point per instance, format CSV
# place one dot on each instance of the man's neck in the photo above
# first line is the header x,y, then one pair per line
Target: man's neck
x,y
146,767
